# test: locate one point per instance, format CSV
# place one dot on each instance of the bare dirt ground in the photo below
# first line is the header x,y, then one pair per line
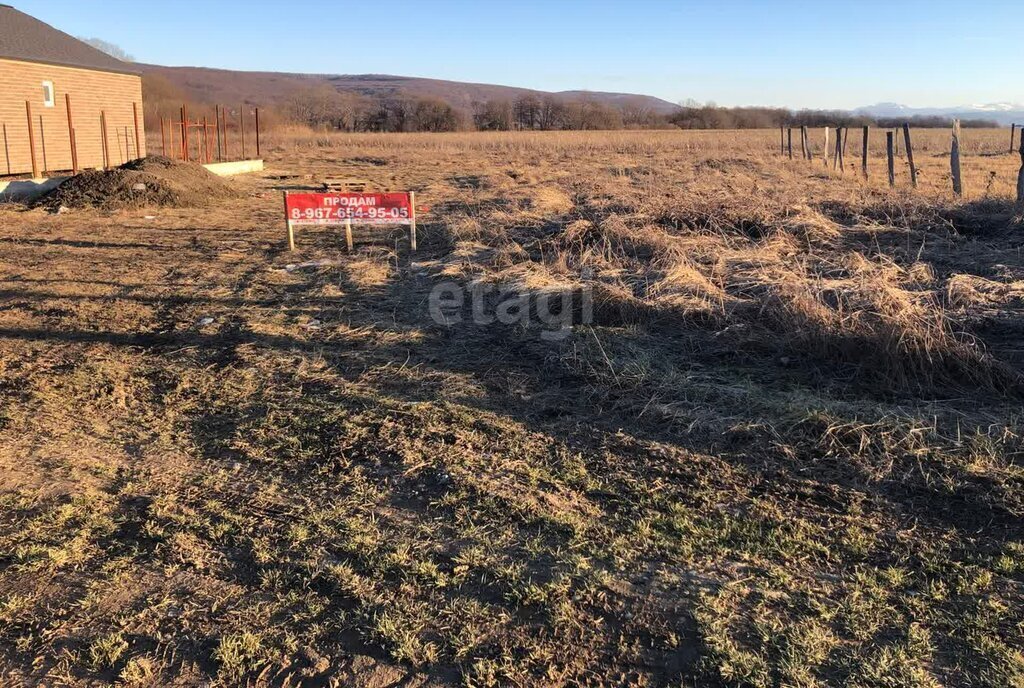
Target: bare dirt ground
x,y
786,451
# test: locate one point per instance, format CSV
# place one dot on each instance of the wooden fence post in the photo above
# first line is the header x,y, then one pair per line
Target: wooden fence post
x,y
826,148
844,133
864,152
32,140
1020,178
782,139
7,149
104,140
837,160
42,143
910,155
789,142
803,143
138,138
806,141
71,134
954,160
889,146
1013,135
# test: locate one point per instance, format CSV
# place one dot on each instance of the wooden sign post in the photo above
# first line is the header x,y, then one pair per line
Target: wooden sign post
x,y
288,224
348,208
412,225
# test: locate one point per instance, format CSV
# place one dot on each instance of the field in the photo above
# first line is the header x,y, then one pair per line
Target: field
x,y
779,446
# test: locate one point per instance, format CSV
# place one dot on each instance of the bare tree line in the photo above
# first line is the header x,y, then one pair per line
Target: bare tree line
x,y
327,108
695,116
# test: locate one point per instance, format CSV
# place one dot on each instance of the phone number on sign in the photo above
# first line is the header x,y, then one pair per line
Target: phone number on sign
x,y
348,213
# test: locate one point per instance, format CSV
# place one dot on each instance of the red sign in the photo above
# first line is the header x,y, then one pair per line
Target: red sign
x,y
360,208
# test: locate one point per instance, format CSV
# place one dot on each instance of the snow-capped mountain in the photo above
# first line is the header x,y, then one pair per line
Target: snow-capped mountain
x,y
1003,113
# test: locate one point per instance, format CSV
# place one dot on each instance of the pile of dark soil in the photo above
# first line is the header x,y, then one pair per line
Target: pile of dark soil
x,y
152,181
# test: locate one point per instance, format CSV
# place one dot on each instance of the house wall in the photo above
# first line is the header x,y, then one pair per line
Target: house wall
x,y
91,93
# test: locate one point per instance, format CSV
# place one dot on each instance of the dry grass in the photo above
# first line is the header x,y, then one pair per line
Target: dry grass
x,y
786,452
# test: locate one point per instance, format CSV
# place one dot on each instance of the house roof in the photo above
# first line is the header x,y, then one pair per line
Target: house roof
x,y
27,39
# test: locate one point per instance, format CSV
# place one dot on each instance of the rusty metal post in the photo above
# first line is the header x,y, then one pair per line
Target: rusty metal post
x,y
206,139
224,117
135,113
163,137
71,134
32,139
184,133
216,121
257,132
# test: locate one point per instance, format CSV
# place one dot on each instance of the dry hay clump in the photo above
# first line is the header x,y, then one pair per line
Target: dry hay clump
x,y
152,181
882,320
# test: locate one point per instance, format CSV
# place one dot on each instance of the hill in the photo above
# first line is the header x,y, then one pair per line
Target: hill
x,y
228,86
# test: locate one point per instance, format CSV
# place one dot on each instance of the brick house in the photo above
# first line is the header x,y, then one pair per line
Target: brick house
x,y
53,80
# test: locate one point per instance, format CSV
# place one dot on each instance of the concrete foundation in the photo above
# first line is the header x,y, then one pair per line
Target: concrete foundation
x,y
227,169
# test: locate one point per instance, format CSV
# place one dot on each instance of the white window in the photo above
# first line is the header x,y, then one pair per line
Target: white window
x,y
48,93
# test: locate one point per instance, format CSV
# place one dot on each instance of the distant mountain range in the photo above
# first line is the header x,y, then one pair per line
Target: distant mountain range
x,y
226,86
1003,113
202,84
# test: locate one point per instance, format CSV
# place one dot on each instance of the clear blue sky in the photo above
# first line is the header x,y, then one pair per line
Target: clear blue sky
x,y
797,54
